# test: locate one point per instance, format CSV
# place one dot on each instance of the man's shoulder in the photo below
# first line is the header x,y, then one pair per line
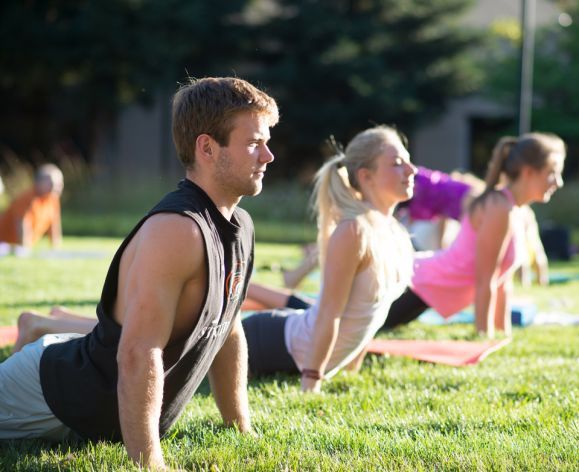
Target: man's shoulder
x,y
171,223
170,230
22,201
167,243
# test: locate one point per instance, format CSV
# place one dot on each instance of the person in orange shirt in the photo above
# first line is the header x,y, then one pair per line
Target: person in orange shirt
x,y
35,213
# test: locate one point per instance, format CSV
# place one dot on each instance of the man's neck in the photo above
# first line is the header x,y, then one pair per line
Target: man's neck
x,y
224,203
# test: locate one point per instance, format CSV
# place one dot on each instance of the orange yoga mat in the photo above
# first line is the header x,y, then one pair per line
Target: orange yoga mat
x,y
455,353
8,335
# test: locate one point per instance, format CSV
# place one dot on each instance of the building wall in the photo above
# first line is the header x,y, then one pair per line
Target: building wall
x,y
140,144
445,143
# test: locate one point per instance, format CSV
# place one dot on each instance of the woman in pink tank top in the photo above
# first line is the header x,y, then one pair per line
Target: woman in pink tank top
x,y
478,267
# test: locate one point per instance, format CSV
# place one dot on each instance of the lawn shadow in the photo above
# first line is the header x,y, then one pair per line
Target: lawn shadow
x,y
204,389
12,452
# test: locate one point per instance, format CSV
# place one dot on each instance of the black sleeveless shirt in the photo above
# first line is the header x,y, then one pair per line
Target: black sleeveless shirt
x,y
79,377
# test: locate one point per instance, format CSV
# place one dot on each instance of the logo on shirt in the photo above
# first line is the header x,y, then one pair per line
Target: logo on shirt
x,y
215,330
234,282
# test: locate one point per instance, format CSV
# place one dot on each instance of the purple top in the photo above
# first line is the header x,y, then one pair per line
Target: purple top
x,y
436,194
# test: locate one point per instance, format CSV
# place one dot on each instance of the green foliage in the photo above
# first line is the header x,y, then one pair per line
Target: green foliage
x,y
112,208
517,410
337,67
68,65
556,73
561,209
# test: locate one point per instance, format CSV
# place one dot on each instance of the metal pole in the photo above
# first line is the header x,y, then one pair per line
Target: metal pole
x,y
526,72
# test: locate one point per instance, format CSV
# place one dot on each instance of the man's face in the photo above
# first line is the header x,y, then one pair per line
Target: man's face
x,y
241,164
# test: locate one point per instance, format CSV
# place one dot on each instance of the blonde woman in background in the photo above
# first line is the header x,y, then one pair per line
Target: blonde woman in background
x,y
366,257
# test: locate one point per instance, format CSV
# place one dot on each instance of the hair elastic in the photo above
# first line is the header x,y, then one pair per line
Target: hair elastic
x,y
312,374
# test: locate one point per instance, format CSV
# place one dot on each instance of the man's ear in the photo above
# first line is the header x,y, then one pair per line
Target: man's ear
x,y
205,147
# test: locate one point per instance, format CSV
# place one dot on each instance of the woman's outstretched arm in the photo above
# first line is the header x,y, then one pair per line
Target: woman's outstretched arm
x,y
493,230
343,261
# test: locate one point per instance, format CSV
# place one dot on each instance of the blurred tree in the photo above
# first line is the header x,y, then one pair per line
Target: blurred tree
x,y
338,66
556,74
68,65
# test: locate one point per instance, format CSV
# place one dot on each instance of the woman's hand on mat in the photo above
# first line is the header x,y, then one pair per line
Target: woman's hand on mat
x,y
311,385
245,428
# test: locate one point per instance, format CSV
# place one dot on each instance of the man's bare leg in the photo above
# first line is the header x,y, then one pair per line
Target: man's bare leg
x,y
32,326
292,278
62,312
268,297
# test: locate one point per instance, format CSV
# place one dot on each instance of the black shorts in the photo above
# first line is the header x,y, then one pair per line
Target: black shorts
x,y
404,309
298,303
265,334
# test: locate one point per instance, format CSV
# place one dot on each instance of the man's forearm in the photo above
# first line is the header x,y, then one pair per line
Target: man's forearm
x,y
140,390
55,235
23,233
228,379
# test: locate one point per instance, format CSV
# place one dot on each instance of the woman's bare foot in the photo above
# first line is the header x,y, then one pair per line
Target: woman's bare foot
x,y
29,329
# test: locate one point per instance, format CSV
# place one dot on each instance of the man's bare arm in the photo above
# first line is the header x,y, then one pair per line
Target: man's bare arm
x,y
24,232
228,378
55,231
147,303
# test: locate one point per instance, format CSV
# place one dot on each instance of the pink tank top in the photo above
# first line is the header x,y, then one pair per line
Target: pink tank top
x,y
446,279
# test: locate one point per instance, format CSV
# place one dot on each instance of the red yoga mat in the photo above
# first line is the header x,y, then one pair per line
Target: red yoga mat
x,y
455,353
8,335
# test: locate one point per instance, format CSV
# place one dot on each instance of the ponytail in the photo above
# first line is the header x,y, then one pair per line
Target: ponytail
x,y
337,197
333,199
496,165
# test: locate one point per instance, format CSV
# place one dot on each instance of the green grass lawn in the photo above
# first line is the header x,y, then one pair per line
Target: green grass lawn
x,y
517,410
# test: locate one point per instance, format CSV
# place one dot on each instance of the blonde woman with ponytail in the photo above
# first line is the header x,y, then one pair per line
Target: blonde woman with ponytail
x,y
478,267
366,257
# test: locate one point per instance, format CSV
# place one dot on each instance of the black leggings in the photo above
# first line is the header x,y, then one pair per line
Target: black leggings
x,y
298,303
265,335
265,332
404,309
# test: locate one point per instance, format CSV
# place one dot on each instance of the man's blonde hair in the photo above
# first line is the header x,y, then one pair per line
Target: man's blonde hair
x,y
209,106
